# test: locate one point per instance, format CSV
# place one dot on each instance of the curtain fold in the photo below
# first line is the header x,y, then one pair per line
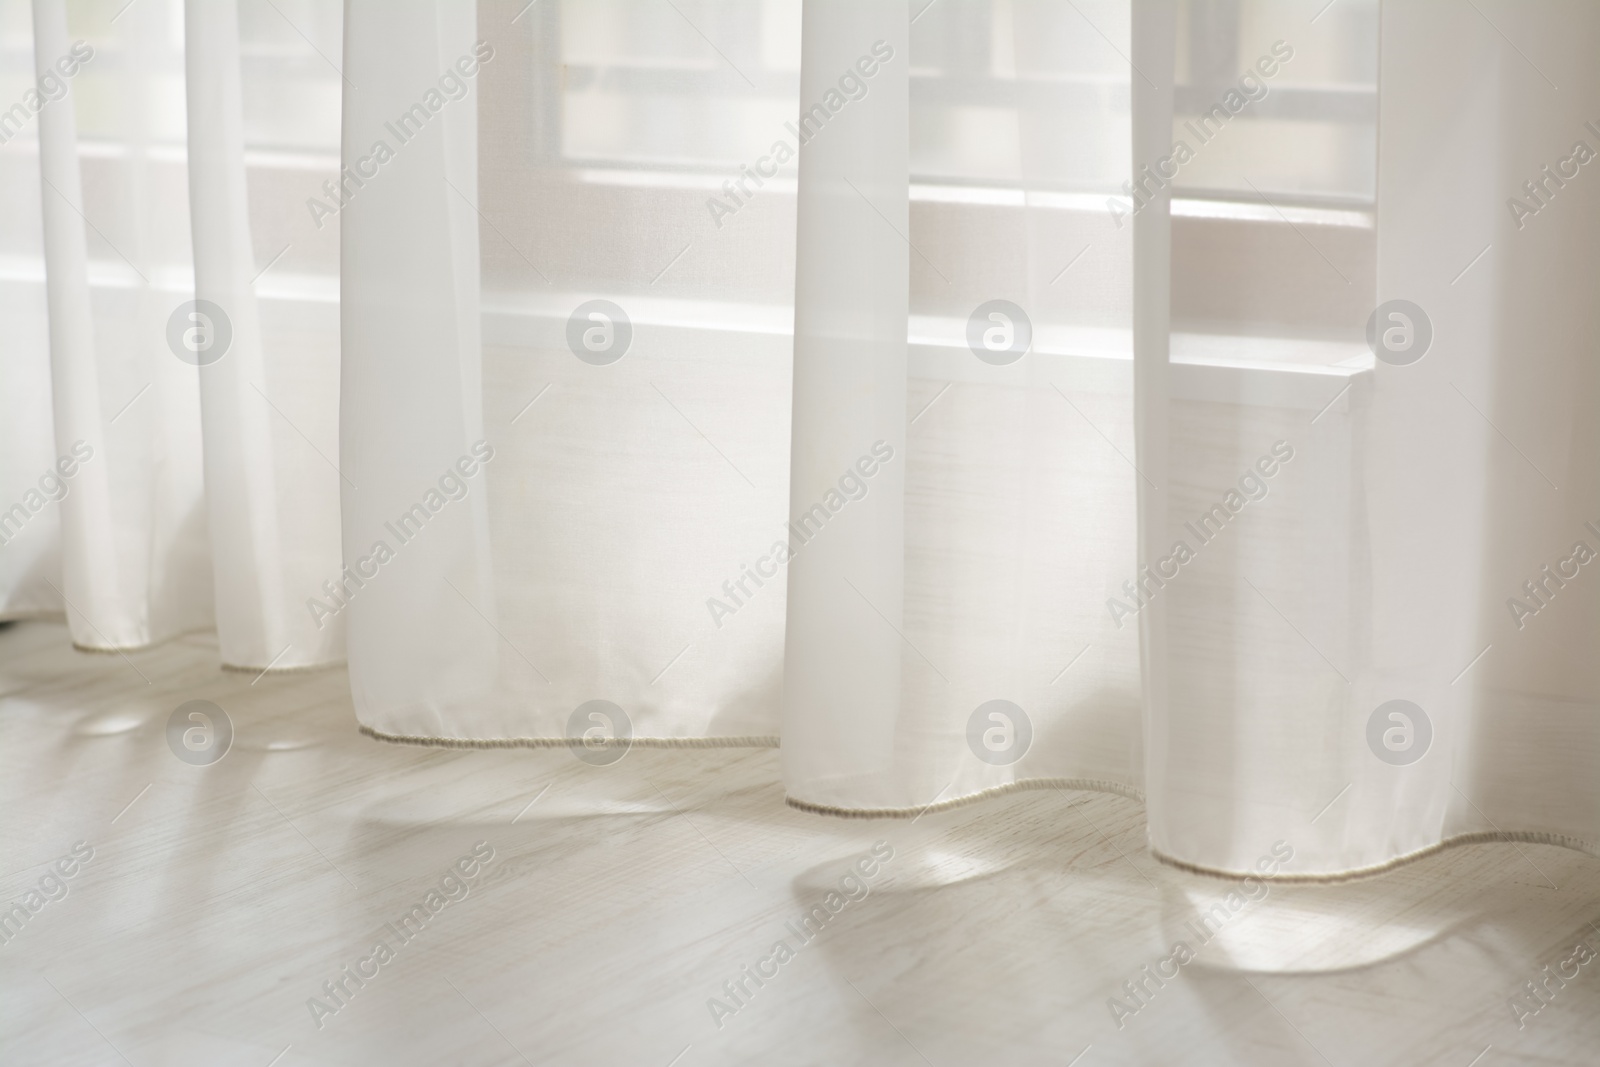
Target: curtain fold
x,y
844,675
1368,607
879,377
135,566
272,503
946,634
30,482
194,396
417,586
1500,435
550,511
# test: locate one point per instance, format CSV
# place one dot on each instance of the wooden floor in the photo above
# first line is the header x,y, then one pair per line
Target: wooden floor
x,y
619,900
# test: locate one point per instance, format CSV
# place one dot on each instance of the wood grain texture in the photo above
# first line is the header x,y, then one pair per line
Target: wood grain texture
x,y
620,899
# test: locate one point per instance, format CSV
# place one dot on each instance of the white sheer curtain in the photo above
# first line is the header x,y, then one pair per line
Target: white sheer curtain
x,y
135,563
1423,493
976,569
852,373
29,540
629,541
570,558
200,448
270,403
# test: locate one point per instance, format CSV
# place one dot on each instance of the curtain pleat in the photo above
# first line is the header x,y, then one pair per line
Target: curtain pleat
x,y
272,502
30,483
194,395
946,634
422,605
135,566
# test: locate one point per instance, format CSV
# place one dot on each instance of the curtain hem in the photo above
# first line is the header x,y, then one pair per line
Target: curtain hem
x,y
1097,785
756,741
301,668
1475,837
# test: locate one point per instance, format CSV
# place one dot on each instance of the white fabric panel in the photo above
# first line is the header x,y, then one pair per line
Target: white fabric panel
x,y
411,369
645,368
843,692
135,566
580,559
273,494
1517,388
30,484
976,567
1383,559
134,150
